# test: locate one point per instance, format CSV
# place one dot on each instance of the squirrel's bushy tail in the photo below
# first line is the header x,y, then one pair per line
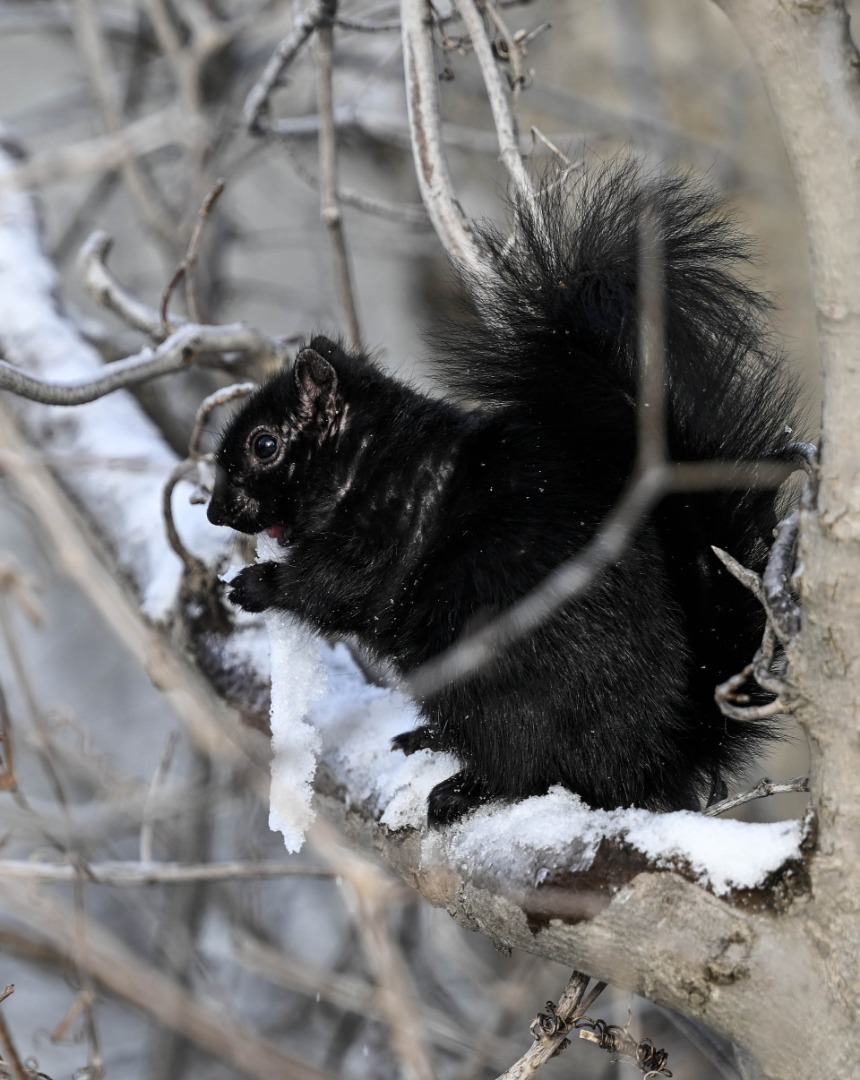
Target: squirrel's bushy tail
x,y
556,336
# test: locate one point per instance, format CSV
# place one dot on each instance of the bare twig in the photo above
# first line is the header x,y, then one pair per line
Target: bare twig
x,y
748,578
422,97
556,152
105,288
498,97
330,208
207,406
257,105
509,49
175,353
192,564
186,268
550,1029
763,789
737,706
7,1044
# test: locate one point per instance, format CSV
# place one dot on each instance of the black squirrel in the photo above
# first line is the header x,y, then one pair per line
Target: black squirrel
x,y
411,519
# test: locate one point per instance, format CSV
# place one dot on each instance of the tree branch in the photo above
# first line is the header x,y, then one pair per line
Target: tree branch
x,y
434,181
176,353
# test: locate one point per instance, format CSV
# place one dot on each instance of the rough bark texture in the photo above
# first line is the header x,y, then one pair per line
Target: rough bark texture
x,y
808,62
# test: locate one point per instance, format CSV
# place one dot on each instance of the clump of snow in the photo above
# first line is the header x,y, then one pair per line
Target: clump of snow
x,y
298,680
558,831
357,723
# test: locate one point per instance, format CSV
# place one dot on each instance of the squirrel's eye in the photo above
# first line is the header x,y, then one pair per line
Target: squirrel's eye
x,y
265,446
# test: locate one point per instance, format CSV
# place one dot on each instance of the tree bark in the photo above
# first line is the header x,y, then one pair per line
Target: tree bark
x,y
809,64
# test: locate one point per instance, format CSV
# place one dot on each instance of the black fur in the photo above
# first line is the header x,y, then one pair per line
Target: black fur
x,y
409,520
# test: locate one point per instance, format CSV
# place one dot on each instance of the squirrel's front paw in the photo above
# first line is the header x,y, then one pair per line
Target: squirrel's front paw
x,y
253,589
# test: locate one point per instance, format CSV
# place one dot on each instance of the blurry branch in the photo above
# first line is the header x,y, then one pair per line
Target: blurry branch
x,y
330,209
38,16
185,63
387,127
26,682
176,353
257,103
8,780
154,796
90,35
573,577
136,139
351,994
185,270
136,874
408,213
112,965
10,1056
395,994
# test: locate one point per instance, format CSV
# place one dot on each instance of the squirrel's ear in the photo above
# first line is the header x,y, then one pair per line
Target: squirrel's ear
x,y
316,381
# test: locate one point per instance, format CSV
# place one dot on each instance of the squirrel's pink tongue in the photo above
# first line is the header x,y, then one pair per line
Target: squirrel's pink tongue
x,y
274,531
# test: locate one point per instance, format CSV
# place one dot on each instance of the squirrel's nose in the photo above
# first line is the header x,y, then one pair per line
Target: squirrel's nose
x,y
216,511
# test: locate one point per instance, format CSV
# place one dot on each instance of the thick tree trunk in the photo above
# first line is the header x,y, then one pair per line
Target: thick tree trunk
x,y
809,64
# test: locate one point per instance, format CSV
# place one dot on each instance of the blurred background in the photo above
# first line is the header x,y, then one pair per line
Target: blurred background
x,y
101,770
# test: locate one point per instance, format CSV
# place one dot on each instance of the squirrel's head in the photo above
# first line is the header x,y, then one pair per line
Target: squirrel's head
x,y
270,447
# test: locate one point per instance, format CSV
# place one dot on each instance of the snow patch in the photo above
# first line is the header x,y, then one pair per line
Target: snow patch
x,y
357,723
110,455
